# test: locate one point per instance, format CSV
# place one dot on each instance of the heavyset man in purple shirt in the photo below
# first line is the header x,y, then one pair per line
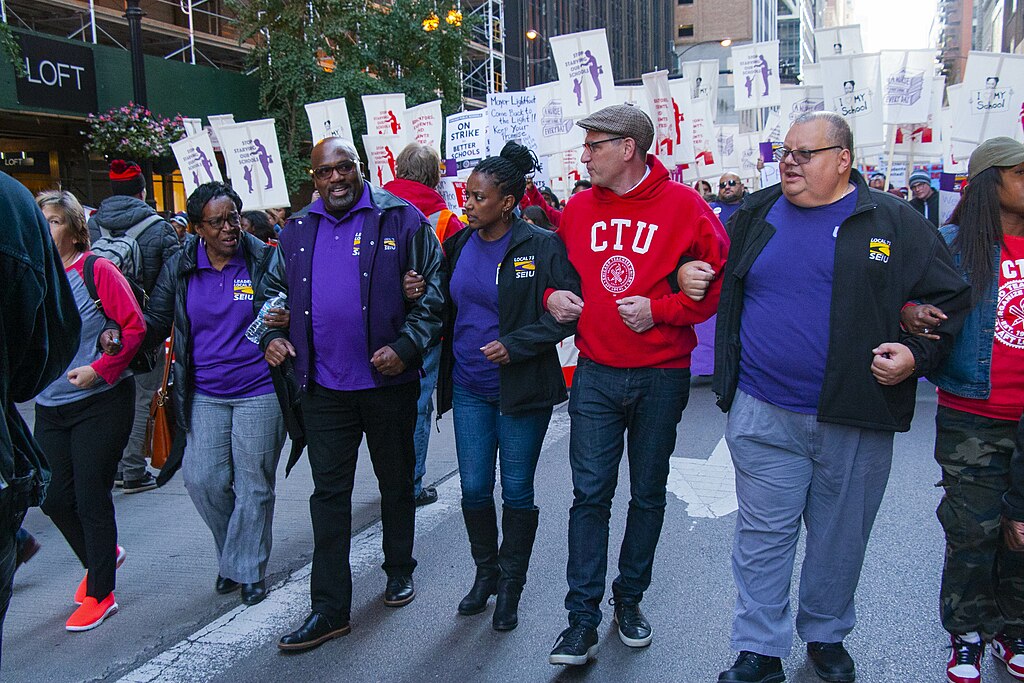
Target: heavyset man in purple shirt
x,y
358,346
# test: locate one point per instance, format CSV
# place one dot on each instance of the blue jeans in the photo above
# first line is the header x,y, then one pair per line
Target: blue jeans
x,y
424,411
481,434
605,405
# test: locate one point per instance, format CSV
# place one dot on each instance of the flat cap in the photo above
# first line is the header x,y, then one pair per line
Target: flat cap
x,y
919,177
622,119
999,152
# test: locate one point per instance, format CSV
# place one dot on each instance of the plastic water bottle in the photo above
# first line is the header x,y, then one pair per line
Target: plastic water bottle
x,y
258,328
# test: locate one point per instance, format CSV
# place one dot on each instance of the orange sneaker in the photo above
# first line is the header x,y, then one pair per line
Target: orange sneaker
x,y
91,614
82,587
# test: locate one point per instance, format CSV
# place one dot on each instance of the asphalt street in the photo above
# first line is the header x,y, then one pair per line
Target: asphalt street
x,y
173,627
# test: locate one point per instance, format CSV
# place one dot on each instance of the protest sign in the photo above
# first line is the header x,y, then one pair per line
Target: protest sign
x,y
663,115
556,131
703,78
465,140
384,114
852,88
991,101
838,40
329,119
252,155
381,152
584,72
192,126
799,99
196,161
682,97
907,80
424,123
756,75
512,116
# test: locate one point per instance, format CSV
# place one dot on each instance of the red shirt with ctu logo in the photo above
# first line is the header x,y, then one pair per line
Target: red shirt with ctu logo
x,y
1006,399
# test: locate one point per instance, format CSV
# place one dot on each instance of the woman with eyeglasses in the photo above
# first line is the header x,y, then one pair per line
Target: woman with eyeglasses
x,y
223,395
84,419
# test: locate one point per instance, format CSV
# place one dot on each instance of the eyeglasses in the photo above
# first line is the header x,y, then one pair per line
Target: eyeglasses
x,y
327,172
730,183
801,156
232,219
591,145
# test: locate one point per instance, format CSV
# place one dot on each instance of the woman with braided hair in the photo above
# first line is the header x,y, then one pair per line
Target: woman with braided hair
x,y
500,371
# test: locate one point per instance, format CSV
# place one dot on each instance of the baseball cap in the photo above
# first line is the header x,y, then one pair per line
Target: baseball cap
x,y
622,119
919,177
999,152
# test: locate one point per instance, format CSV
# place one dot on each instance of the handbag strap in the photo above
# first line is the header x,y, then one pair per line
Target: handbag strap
x,y
168,357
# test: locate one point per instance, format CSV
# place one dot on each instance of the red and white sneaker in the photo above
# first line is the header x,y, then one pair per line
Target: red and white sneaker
x,y
82,587
1010,651
964,664
91,614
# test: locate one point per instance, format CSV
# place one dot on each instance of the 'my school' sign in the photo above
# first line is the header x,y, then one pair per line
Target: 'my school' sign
x,y
58,75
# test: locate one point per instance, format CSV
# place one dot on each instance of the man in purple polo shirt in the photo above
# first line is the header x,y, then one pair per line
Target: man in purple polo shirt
x,y
357,359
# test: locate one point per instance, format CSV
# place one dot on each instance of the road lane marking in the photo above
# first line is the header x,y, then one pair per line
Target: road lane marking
x,y
708,487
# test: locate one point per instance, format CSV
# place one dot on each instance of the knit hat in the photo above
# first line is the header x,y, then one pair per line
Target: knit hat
x,y
919,177
126,177
623,120
181,217
1001,152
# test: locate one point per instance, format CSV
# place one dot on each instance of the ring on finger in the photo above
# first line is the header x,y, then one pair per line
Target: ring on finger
x,y
927,330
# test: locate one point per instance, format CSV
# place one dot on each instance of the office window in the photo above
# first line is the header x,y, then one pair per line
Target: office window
x,y
685,2
685,31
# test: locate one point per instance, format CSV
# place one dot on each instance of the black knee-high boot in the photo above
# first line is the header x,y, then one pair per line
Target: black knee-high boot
x,y
519,529
482,527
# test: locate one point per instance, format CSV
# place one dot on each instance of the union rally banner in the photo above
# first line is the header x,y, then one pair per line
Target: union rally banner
x,y
852,88
381,152
557,132
682,99
511,116
217,121
705,142
584,71
329,119
907,80
384,114
424,123
703,77
254,160
466,140
991,101
799,99
663,115
192,126
838,40
923,140
756,75
196,161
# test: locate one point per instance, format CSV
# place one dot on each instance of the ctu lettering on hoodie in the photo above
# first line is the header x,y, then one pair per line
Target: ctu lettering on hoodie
x,y
599,235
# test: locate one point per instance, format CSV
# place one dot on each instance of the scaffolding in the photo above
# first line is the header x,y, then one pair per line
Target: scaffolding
x,y
484,62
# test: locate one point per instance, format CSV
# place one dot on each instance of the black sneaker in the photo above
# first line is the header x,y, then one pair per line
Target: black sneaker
x,y
119,480
146,483
634,629
832,662
427,495
575,646
751,667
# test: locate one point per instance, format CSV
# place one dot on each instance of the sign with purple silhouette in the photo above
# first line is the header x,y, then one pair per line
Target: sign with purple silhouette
x,y
991,101
853,88
217,121
196,160
385,114
466,140
681,90
329,119
254,160
907,79
556,132
756,75
584,72
512,116
381,152
423,123
838,40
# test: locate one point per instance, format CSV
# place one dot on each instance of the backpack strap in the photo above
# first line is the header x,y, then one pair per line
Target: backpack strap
x,y
143,225
90,281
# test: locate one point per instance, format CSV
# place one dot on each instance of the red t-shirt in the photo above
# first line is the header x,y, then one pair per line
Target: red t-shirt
x,y
1006,400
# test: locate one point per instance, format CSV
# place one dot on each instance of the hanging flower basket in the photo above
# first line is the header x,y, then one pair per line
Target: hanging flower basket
x,y
133,132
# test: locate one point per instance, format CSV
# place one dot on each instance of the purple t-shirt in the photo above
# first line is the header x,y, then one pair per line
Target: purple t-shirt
x,y
474,289
341,360
787,300
219,306
725,211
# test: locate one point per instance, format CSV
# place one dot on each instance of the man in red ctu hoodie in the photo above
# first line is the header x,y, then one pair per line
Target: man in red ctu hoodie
x,y
625,237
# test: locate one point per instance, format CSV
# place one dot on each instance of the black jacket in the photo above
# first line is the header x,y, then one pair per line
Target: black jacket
x,y
168,305
39,334
158,242
933,207
867,296
533,379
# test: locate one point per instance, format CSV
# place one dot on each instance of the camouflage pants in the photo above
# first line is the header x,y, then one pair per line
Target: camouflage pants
x,y
982,582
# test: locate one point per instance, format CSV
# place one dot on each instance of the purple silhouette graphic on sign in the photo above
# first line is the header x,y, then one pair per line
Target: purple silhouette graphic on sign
x,y
265,161
391,160
763,63
393,120
595,71
195,178
205,162
247,176
750,84
577,89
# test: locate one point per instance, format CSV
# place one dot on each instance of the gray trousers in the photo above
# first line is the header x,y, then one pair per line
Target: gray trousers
x,y
133,462
229,468
790,467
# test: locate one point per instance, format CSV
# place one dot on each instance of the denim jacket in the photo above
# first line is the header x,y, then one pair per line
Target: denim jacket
x,y
966,371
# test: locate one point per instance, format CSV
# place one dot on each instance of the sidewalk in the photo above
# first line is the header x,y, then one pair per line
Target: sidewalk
x,y
165,588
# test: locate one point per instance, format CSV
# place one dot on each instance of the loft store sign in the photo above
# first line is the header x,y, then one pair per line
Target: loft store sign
x,y
58,75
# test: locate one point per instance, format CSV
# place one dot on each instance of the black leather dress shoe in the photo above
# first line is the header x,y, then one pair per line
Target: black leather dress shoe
x,y
832,662
253,593
751,667
316,631
225,586
399,591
